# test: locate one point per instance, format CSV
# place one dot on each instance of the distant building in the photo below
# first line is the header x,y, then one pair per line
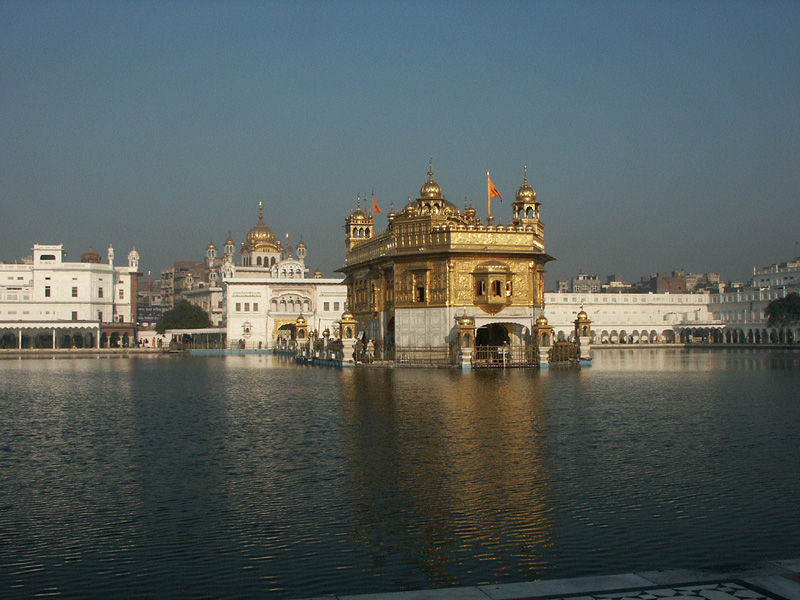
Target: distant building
x,y
266,295
47,302
785,275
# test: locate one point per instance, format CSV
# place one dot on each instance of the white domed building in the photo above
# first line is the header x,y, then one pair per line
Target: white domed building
x,y
268,292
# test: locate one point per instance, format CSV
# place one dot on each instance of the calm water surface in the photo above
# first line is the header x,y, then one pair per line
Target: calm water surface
x,y
245,477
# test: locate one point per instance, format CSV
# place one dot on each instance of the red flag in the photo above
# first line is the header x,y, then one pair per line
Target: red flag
x,y
492,190
375,207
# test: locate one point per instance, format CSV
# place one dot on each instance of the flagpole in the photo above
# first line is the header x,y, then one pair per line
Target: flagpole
x,y
489,199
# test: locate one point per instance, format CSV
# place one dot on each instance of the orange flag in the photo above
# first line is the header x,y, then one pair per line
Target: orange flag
x,y
492,190
375,207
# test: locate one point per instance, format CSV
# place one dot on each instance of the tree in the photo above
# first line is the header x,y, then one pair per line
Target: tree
x,y
184,315
783,311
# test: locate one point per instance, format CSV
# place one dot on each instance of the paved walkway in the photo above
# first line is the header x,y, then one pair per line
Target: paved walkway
x,y
778,580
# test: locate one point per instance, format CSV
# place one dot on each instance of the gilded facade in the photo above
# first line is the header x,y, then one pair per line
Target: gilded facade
x,y
434,263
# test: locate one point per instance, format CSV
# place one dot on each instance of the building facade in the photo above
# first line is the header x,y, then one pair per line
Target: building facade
x,y
407,286
47,302
268,292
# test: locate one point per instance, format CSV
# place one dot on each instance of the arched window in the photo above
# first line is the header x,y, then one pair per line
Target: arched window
x,y
530,212
496,288
508,289
258,261
366,232
481,288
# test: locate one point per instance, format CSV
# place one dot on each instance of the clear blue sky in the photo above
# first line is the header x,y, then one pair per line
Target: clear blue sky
x,y
658,135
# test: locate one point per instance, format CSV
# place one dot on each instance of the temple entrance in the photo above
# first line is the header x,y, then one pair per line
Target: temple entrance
x,y
493,334
287,332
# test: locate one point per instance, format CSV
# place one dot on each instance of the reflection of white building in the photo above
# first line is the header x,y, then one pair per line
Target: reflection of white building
x,y
47,302
269,291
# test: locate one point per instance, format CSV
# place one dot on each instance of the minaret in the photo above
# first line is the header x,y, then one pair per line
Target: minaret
x,y
359,227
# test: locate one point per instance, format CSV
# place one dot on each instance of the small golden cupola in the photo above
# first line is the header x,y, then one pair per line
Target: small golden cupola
x,y
525,206
431,201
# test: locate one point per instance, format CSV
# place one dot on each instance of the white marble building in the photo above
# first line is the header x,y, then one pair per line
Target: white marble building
x,y
269,290
47,302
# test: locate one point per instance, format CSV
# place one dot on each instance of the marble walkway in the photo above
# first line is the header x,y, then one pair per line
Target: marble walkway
x,y
777,580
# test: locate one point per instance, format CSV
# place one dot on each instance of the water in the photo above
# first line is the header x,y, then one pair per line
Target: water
x,y
245,477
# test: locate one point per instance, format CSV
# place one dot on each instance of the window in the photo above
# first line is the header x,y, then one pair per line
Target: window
x,y
326,306
74,315
99,315
238,307
246,307
99,292
336,306
481,288
508,288
255,306
420,297
74,292
122,294
496,287
47,291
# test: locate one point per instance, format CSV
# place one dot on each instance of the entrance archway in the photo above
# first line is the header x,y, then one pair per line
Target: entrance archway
x,y
493,334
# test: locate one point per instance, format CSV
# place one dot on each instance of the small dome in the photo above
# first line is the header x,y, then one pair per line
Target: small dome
x,y
300,320
211,246
430,189
301,245
90,256
526,193
541,320
230,242
582,316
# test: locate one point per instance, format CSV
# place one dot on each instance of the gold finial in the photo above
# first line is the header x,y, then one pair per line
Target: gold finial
x,y
526,173
359,202
260,210
430,169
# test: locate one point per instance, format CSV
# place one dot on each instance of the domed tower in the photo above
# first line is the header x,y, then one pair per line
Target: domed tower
x,y
525,206
230,247
91,256
301,251
431,201
359,227
133,259
260,250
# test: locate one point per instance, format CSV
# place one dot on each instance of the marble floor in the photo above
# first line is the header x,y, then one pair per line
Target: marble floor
x,y
773,580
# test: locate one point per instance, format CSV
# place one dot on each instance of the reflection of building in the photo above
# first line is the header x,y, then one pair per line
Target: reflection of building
x,y
268,292
434,263
47,302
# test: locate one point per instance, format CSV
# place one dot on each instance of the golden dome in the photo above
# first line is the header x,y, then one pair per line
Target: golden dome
x,y
211,246
541,320
90,256
230,242
430,189
301,320
301,245
582,316
526,193
261,238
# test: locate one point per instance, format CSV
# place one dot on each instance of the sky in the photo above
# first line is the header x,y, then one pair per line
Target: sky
x,y
658,135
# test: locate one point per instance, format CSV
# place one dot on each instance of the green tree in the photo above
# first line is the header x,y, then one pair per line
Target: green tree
x,y
184,315
783,311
